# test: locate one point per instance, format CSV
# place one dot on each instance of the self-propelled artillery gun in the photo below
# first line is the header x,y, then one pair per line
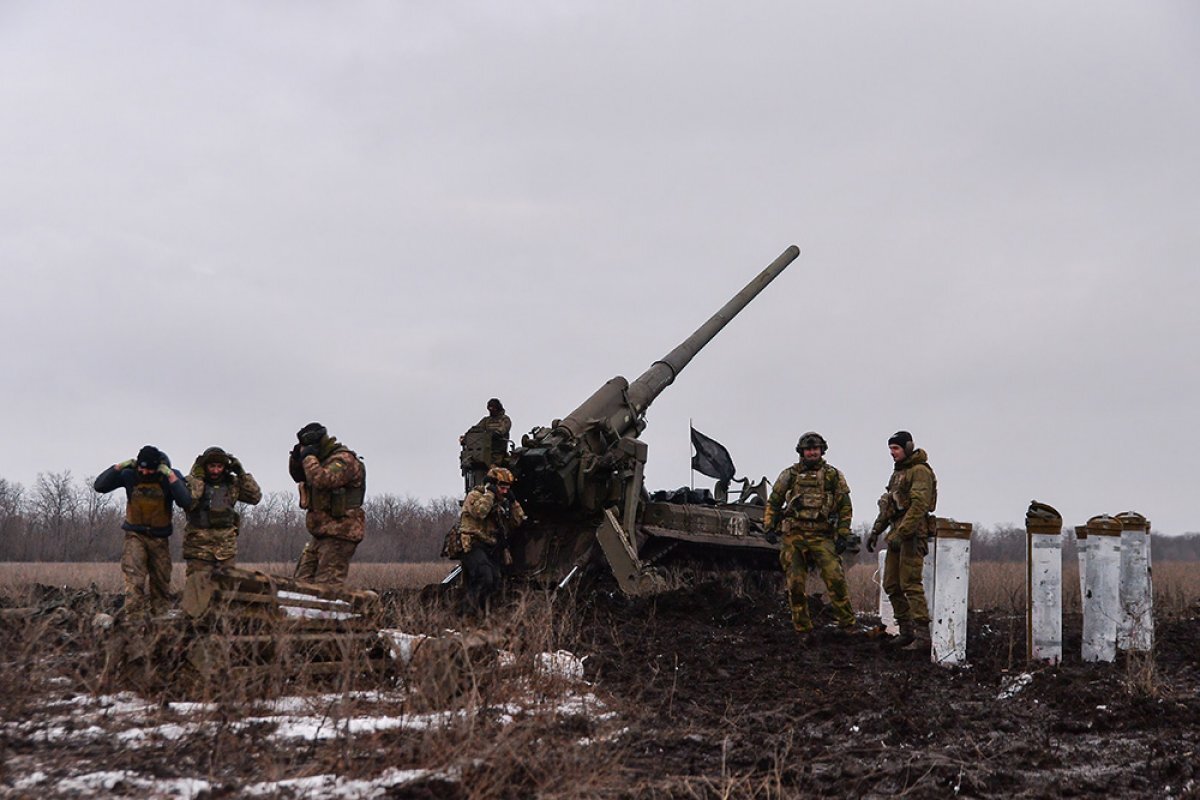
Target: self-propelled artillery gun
x,y
581,482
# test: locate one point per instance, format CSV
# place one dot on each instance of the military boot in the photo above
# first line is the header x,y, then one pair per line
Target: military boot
x,y
920,640
905,638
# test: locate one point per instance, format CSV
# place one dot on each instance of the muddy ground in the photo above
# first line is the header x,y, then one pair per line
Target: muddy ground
x,y
704,692
725,691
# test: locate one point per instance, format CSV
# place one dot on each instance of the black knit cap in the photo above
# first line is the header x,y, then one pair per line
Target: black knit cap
x,y
902,439
149,457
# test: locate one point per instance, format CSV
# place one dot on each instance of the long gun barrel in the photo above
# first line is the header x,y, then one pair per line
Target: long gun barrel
x,y
621,404
590,457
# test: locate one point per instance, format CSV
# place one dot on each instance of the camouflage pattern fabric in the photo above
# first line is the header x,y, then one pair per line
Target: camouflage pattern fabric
x,y
810,499
499,426
146,566
326,560
340,470
797,553
217,544
902,572
910,498
482,518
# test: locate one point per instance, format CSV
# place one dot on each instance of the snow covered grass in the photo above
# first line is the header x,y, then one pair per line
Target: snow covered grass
x,y
526,723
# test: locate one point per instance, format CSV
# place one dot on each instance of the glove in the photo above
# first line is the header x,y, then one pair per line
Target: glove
x,y
126,464
772,536
846,544
235,466
872,540
165,471
305,451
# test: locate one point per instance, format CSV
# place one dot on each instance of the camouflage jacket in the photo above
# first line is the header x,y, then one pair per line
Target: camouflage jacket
x,y
213,503
910,498
341,469
811,499
483,517
499,426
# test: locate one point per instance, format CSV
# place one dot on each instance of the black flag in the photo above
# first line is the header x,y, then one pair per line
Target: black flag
x,y
711,459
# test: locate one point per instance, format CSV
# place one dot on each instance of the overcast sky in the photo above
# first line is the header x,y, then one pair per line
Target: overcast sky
x,y
220,221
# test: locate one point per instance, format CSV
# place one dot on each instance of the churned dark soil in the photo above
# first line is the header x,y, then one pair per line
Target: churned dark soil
x,y
725,700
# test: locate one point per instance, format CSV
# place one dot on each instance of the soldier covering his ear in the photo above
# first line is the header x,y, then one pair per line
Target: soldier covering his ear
x,y
488,514
217,482
333,486
152,490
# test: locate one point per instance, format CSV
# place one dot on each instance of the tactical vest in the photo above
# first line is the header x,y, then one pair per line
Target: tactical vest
x,y
336,502
148,506
810,499
900,488
214,509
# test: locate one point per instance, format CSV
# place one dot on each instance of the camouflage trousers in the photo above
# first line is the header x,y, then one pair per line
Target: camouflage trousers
x,y
146,565
325,560
205,548
195,565
798,552
902,574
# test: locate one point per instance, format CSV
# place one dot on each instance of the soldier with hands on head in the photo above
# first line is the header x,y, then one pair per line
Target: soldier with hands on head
x,y
489,512
333,486
810,503
152,490
907,507
217,483
485,444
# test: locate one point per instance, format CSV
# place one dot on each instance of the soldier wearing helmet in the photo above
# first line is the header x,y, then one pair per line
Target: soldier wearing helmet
x,y
907,507
333,485
488,514
217,483
810,504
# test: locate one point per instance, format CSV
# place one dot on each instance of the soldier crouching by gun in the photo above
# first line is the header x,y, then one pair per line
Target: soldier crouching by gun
x,y
907,507
488,513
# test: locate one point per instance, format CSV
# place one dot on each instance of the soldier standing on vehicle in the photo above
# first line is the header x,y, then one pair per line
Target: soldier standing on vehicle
x,y
810,501
488,514
333,486
485,444
907,507
152,490
217,483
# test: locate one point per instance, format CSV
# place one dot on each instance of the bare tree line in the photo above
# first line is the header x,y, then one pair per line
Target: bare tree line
x,y
61,518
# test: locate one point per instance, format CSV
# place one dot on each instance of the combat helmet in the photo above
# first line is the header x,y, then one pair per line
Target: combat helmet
x,y
500,475
812,439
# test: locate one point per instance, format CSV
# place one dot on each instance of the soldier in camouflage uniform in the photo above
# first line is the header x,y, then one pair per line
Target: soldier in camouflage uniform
x,y
488,514
485,444
333,486
810,501
217,483
907,507
152,489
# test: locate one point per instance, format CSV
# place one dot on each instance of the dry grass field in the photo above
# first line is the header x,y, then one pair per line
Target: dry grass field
x,y
701,692
994,585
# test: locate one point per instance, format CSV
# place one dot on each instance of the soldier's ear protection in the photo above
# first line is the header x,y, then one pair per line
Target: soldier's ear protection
x,y
311,434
